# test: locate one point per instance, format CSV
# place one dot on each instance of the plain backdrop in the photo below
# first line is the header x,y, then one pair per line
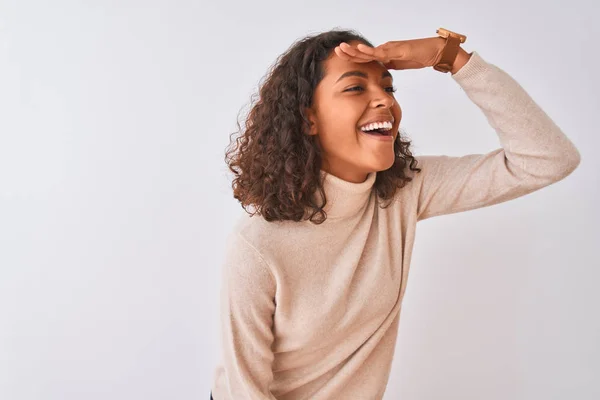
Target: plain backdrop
x,y
115,200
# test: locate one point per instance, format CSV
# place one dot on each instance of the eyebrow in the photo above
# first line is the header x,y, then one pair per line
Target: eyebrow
x,y
384,74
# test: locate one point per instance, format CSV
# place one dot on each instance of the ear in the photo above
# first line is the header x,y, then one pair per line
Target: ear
x,y
310,114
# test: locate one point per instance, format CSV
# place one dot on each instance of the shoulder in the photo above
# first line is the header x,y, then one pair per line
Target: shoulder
x,y
245,262
267,239
257,231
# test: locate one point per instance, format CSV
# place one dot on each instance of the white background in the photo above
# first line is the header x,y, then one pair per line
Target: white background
x,y
115,200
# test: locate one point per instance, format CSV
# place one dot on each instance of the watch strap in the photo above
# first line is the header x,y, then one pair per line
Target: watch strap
x,y
449,52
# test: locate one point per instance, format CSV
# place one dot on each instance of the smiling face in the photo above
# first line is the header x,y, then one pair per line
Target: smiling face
x,y
349,95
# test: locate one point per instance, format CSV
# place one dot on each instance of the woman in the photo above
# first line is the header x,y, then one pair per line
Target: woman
x,y
314,278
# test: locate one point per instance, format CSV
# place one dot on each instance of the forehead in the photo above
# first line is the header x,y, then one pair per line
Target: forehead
x,y
335,66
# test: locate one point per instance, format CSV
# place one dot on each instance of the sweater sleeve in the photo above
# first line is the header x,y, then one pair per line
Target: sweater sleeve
x,y
535,152
247,308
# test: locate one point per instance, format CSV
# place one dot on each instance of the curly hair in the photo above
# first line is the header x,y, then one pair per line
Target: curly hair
x,y
276,164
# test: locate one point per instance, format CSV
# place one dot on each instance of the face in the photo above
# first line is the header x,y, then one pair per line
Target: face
x,y
342,106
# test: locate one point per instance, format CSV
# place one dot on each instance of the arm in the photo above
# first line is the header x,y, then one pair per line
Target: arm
x,y
461,59
535,152
247,308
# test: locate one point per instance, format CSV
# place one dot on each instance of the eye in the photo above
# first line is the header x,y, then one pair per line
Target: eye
x,y
390,89
352,89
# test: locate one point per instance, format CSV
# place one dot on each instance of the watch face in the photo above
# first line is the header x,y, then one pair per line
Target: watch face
x,y
442,32
445,33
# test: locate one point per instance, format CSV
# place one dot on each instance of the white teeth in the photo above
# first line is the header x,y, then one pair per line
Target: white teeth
x,y
377,125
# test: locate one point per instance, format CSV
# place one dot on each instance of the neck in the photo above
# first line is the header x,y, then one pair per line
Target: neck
x,y
345,198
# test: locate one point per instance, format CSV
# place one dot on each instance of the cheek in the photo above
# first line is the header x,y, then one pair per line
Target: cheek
x,y
340,136
397,111
337,136
343,119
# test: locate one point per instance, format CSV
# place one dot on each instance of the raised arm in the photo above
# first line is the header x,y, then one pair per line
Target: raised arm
x,y
535,152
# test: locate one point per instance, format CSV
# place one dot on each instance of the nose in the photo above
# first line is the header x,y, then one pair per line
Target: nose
x,y
385,101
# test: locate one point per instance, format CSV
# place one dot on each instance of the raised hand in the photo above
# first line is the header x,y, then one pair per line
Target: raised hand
x,y
398,54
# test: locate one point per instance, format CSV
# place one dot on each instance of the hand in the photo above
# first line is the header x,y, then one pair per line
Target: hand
x,y
400,54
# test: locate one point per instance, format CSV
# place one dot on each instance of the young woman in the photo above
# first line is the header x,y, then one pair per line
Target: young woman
x,y
314,277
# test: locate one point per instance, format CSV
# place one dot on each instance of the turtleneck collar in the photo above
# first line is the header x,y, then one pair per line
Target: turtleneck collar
x,y
345,198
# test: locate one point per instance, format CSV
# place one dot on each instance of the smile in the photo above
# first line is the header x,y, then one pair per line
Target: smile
x,y
387,137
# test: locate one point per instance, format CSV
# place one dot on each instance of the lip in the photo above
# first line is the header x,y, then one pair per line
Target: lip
x,y
381,138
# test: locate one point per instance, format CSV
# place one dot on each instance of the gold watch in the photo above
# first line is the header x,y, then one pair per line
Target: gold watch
x,y
450,50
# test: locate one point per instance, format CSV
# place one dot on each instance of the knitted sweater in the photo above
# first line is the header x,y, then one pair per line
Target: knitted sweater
x,y
312,311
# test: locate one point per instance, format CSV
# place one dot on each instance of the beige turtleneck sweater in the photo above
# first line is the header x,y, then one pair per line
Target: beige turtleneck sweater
x,y
312,311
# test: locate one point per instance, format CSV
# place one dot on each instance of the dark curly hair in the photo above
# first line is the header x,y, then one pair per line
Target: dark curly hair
x,y
277,165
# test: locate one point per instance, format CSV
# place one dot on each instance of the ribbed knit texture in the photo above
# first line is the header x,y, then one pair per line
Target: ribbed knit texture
x,y
311,311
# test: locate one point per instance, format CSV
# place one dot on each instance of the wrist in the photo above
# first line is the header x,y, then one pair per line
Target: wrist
x,y
461,59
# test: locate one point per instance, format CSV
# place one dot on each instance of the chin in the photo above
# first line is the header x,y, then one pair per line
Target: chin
x,y
389,163
383,167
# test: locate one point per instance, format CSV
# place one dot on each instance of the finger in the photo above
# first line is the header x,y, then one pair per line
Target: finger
x,y
347,57
340,53
377,53
367,50
353,52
